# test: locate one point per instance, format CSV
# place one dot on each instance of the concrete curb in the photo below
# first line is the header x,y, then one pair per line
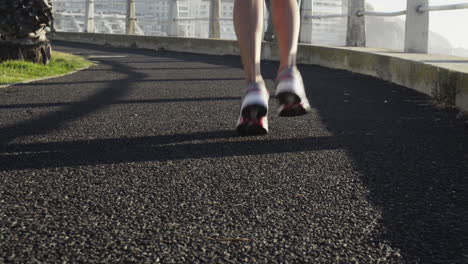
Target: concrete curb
x,y
443,77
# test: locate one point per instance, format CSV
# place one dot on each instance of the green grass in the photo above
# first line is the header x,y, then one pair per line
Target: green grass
x,y
20,71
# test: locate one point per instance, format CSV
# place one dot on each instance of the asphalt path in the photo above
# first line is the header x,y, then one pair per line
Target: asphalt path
x,y
136,160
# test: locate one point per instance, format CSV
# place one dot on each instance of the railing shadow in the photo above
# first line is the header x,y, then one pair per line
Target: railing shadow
x,y
121,102
114,90
167,68
142,80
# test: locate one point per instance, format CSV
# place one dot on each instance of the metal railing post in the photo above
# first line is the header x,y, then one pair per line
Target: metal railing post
x,y
89,16
306,21
356,33
173,28
131,17
76,24
417,27
215,29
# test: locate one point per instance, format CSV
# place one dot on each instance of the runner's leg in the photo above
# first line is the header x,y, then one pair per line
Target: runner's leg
x,y
286,20
290,89
248,23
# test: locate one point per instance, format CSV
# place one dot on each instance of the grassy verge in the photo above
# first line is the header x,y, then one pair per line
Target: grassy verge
x,y
20,71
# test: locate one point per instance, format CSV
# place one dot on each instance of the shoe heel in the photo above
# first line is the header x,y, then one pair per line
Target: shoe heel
x,y
288,98
254,121
254,112
290,105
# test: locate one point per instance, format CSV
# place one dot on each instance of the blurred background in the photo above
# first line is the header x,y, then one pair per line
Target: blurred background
x,y
448,34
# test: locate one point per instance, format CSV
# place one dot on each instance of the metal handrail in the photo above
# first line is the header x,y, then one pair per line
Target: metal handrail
x,y
159,19
422,9
325,16
199,19
386,14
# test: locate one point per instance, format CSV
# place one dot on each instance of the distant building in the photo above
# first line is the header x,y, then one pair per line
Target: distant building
x,y
200,10
227,25
329,31
153,16
69,6
101,6
193,17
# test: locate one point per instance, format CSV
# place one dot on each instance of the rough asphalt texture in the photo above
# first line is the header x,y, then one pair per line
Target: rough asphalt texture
x,y
135,160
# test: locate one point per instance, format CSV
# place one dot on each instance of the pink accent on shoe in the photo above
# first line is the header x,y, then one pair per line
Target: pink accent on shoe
x,y
245,120
289,106
255,87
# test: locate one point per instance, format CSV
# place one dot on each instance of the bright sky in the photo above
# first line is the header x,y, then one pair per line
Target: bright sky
x,y
450,24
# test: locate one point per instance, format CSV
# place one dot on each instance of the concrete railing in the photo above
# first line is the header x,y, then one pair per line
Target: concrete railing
x,y
416,29
443,77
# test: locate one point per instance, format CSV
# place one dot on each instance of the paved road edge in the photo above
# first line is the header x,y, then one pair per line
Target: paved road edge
x,y
445,78
44,78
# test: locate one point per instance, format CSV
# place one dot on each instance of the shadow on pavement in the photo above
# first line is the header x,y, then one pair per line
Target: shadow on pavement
x,y
413,158
411,155
142,80
93,103
117,102
167,68
157,148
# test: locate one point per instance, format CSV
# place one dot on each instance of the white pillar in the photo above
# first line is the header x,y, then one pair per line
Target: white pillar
x,y
417,27
306,21
173,28
215,28
89,16
131,17
356,33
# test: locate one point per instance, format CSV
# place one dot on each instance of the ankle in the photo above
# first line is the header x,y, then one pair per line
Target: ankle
x,y
254,79
255,85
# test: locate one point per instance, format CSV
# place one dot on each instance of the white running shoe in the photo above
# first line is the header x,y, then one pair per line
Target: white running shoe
x,y
291,93
253,118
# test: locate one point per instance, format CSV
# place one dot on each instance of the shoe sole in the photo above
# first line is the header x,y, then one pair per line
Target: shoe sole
x,y
253,127
291,105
